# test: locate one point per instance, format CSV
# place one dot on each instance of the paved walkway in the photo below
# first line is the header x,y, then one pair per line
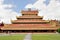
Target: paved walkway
x,y
28,36
4,34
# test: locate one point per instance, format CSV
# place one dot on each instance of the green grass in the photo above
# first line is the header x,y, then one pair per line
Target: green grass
x,y
13,37
45,36
34,37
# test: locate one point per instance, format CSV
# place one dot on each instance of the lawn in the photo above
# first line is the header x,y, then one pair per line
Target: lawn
x,y
13,37
45,36
34,37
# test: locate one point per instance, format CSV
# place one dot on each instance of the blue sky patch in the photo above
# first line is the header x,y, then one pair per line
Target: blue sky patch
x,y
20,4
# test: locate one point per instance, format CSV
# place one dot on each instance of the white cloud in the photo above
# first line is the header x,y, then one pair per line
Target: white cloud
x,y
7,14
8,6
49,12
29,6
1,1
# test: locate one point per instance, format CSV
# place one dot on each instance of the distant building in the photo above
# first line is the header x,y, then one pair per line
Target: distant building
x,y
30,22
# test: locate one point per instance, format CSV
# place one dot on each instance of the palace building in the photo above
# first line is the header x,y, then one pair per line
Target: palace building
x,y
30,22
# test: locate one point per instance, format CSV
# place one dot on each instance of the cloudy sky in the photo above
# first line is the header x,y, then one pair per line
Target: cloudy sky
x,y
9,9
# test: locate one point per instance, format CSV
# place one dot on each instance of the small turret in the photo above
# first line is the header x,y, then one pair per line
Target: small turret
x,y
2,24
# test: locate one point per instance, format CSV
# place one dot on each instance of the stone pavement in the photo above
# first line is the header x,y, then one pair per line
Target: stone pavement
x,y
28,36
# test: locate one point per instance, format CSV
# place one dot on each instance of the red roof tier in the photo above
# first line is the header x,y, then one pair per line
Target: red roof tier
x,y
29,12
29,27
30,17
30,21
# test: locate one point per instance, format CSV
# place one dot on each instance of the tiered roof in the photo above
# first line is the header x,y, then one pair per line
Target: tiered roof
x,y
30,21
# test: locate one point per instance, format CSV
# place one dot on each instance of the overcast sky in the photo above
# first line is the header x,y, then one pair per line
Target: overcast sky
x,y
9,9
